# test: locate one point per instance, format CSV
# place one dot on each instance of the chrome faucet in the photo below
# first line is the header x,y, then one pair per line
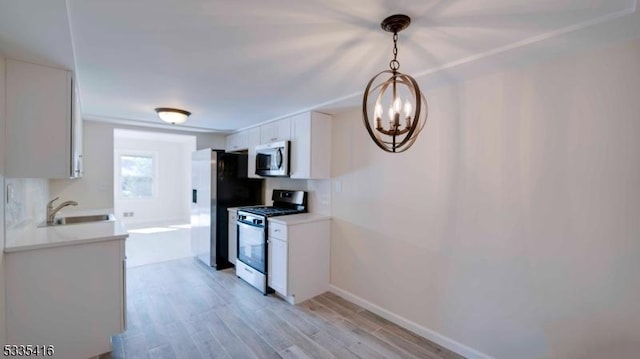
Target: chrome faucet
x,y
51,212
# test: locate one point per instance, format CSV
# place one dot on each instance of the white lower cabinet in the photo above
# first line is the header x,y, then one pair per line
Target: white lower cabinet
x,y
278,265
298,258
233,236
71,297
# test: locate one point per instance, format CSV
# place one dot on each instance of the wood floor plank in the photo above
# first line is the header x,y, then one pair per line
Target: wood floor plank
x,y
374,318
298,338
183,345
154,334
231,343
343,302
293,352
423,342
411,348
320,310
184,309
161,310
135,347
378,345
243,331
162,352
209,296
341,335
348,313
261,323
207,344
294,318
333,346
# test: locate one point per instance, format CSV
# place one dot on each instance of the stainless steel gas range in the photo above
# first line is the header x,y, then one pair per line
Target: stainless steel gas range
x,y
251,264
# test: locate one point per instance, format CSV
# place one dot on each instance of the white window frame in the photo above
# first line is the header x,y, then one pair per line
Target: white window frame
x,y
136,153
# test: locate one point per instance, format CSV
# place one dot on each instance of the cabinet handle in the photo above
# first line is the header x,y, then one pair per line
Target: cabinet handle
x,y
276,230
275,138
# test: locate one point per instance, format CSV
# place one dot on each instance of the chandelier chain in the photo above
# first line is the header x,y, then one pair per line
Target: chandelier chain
x,y
394,64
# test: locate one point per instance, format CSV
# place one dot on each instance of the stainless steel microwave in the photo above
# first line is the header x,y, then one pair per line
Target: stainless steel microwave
x,y
272,159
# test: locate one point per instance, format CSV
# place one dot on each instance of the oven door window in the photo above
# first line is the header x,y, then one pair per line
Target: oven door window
x,y
252,248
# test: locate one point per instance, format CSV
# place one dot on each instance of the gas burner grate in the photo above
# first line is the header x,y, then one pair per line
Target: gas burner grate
x,y
270,211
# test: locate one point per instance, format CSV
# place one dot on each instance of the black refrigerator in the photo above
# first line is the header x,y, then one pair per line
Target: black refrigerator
x,y
219,181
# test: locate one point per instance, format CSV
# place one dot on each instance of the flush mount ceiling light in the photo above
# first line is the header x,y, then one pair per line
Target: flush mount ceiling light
x,y
173,116
399,94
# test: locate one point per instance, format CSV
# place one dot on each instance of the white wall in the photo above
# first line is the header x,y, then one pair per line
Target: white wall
x,y
318,192
3,312
512,224
95,189
172,198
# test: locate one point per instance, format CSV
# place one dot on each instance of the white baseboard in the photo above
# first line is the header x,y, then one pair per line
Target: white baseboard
x,y
435,337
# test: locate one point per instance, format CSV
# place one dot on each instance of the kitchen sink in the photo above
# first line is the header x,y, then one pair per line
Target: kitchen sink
x,y
82,219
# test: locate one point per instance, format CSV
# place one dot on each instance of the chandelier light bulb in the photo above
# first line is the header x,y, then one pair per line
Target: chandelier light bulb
x,y
397,105
407,109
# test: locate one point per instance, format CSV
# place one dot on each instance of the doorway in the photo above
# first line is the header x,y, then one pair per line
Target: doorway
x,y
152,186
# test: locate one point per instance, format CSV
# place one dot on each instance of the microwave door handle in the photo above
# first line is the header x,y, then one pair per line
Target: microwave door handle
x,y
279,158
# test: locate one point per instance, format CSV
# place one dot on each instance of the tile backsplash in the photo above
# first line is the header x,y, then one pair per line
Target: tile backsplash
x,y
26,202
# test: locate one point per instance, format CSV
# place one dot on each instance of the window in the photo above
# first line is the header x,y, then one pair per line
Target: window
x,y
137,176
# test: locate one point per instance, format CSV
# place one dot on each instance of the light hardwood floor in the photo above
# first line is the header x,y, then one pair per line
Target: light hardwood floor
x,y
182,309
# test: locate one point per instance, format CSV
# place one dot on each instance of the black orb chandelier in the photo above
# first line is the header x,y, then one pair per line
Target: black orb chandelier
x,y
399,95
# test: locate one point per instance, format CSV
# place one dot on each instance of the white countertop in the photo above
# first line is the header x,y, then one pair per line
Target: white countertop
x,y
299,218
34,237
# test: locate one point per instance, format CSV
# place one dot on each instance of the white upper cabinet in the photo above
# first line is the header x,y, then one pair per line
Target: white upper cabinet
x,y
254,140
311,145
237,142
44,127
276,131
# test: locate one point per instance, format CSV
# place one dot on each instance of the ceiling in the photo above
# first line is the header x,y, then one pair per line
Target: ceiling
x,y
237,63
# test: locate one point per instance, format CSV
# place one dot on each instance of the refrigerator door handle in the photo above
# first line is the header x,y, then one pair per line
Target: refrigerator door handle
x,y
194,196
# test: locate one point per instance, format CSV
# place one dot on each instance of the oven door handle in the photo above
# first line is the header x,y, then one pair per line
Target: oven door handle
x,y
249,224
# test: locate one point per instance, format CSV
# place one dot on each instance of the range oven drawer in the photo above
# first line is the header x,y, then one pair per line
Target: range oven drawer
x,y
252,276
277,230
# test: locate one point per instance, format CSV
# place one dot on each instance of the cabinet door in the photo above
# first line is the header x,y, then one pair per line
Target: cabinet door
x,y
276,131
310,144
268,133
77,165
254,140
277,268
237,142
283,129
233,237
38,121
